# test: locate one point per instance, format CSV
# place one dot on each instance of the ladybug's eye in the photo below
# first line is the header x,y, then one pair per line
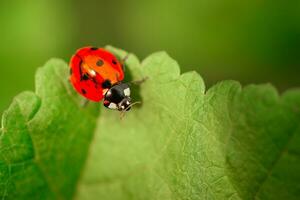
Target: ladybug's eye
x,y
99,63
114,62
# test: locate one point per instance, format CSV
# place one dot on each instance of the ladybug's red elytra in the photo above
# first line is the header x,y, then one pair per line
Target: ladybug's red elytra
x,y
97,74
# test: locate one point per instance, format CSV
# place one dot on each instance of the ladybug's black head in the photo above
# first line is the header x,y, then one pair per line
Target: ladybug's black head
x,y
118,97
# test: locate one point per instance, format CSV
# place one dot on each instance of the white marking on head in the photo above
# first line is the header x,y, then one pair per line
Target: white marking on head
x,y
92,72
108,93
127,92
112,106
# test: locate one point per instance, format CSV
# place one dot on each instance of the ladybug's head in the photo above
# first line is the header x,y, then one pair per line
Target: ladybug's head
x,y
118,97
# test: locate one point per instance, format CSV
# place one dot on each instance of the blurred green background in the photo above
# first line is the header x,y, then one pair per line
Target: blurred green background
x,y
249,41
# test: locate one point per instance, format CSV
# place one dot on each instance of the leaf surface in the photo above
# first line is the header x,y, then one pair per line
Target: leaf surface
x,y
182,142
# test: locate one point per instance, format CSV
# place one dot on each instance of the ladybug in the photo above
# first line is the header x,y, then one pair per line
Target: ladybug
x,y
96,74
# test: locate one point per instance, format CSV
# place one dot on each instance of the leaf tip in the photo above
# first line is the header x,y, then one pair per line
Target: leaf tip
x,y
224,86
27,103
161,66
195,79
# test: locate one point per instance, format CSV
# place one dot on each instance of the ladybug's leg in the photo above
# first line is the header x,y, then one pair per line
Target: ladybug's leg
x,y
140,81
125,58
84,103
135,82
123,61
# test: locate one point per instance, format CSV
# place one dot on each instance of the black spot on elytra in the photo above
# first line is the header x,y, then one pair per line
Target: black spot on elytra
x,y
99,63
85,77
94,48
114,62
106,84
83,91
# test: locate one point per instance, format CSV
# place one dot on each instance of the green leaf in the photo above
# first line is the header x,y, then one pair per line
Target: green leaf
x,y
182,143
45,138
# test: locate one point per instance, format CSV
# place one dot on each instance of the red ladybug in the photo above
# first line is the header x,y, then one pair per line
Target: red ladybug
x,y
97,74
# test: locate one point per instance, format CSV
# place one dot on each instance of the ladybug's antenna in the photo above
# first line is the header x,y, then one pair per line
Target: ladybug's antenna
x,y
124,111
135,103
